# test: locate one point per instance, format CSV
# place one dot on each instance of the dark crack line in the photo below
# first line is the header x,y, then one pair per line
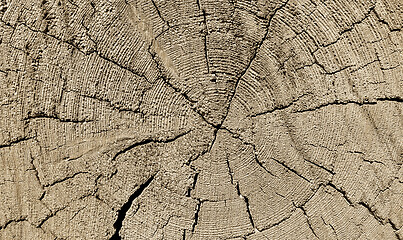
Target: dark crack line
x,y
256,50
15,142
256,15
329,104
125,208
321,66
246,200
80,50
308,221
334,230
327,72
243,197
260,164
159,13
52,214
372,212
377,100
13,221
342,192
44,116
122,66
36,174
278,108
354,24
277,223
383,21
300,152
64,179
192,187
166,81
196,215
202,153
372,161
47,231
393,225
320,166
331,226
214,139
117,106
291,170
147,141
164,77
231,174
64,85
391,99
315,191
395,228
350,28
184,234
366,65
77,212
339,103
255,156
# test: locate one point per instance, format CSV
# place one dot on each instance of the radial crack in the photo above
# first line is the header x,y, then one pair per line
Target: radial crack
x,y
255,157
196,216
13,221
100,55
64,179
372,212
278,108
36,173
291,170
251,60
165,80
192,187
146,141
125,208
308,221
159,13
336,103
14,142
45,116
342,192
258,162
246,200
351,27
320,166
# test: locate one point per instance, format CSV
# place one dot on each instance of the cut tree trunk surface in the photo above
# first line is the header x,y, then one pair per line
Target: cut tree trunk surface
x,y
201,119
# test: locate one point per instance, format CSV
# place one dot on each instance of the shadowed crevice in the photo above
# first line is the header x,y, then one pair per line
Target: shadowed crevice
x,y
308,221
196,216
15,142
147,141
123,211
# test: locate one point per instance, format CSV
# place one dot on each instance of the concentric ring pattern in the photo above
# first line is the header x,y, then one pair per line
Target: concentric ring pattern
x,y
201,119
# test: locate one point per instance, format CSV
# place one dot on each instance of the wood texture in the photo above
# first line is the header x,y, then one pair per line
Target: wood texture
x,y
201,119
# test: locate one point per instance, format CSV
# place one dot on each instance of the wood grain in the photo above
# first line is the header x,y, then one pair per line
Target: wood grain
x,y
201,119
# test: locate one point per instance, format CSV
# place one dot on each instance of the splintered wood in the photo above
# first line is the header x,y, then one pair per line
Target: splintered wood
x,y
201,119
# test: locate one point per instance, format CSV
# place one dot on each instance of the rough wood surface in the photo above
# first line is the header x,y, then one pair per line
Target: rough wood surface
x,y
201,119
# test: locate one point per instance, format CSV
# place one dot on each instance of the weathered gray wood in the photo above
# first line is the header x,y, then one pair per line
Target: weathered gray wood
x,y
201,119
